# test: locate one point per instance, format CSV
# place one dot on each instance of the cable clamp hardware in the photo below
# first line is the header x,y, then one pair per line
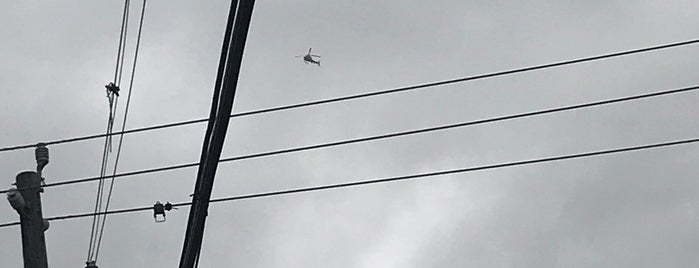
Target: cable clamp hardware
x,y
159,210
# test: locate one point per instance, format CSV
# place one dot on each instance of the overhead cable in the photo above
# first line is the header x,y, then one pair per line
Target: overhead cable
x,y
392,135
394,179
113,104
370,94
121,136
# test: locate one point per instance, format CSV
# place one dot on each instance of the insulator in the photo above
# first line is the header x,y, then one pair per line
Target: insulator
x,y
42,157
42,154
16,199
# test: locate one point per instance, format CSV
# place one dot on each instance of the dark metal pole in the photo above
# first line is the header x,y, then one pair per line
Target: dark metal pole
x,y
211,154
227,36
31,219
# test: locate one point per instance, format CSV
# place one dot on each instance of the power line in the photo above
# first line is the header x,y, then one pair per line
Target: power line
x,y
123,126
365,95
113,101
103,170
393,179
119,65
392,135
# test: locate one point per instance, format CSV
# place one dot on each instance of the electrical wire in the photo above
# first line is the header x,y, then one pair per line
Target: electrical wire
x,y
394,179
100,188
113,101
123,126
365,95
393,135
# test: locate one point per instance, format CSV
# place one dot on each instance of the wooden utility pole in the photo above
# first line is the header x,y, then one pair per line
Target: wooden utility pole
x,y
27,202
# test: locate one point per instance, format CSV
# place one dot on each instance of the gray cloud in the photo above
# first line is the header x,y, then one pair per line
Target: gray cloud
x,y
628,210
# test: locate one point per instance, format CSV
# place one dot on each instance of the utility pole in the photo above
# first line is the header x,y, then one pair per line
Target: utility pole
x,y
26,200
237,26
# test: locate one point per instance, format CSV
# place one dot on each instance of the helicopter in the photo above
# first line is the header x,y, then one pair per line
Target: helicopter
x,y
308,58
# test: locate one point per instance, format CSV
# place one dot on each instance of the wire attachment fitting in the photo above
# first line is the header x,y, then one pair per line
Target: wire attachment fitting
x,y
159,209
112,89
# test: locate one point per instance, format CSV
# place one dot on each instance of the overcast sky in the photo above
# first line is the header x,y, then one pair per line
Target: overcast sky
x,y
636,209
